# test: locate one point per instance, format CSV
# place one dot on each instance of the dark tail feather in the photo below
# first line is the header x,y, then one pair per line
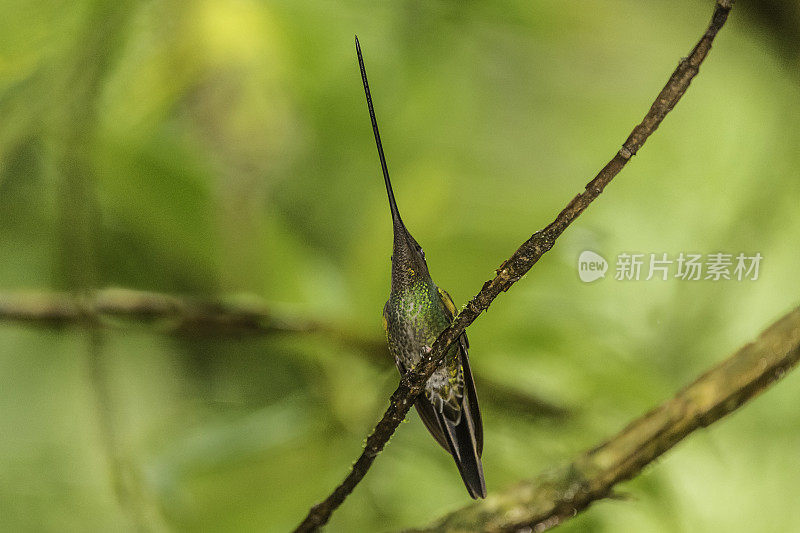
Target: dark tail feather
x,y
464,449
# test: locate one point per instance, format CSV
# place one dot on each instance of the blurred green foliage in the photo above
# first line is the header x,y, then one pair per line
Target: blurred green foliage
x,y
224,148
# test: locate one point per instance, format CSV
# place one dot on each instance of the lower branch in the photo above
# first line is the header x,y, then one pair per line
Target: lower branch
x,y
557,495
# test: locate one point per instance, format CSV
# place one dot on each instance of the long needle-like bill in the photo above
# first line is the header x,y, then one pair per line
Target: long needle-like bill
x,y
392,203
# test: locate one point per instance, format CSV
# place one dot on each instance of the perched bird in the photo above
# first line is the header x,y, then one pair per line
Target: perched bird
x,y
416,313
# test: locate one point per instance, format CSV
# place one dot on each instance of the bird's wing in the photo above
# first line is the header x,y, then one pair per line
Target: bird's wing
x,y
469,383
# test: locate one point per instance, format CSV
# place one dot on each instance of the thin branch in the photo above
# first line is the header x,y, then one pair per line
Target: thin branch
x,y
118,308
557,495
169,313
513,269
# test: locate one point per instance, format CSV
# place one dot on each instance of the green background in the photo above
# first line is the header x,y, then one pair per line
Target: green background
x,y
223,149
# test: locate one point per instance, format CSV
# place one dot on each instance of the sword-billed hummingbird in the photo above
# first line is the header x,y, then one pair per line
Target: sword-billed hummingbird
x,y
416,313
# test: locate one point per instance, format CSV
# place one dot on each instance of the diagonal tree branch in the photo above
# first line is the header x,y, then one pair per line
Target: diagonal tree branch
x,y
513,269
559,494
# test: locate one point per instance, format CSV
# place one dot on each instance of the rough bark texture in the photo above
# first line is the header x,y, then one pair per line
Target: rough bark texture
x,y
559,494
513,269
